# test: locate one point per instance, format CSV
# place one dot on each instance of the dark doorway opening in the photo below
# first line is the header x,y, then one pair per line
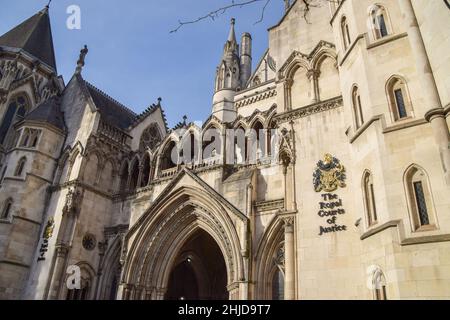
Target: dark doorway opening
x,y
199,272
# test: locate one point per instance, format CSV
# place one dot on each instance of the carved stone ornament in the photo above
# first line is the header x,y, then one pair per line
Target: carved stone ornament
x,y
329,175
72,198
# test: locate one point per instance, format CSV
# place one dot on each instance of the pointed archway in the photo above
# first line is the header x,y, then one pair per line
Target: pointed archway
x,y
156,242
199,272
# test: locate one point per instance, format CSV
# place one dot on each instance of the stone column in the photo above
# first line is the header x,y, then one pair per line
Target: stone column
x,y
313,77
289,259
139,180
58,271
287,94
435,115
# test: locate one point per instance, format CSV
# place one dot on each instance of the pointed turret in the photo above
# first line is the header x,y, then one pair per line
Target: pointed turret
x,y
33,36
229,78
232,35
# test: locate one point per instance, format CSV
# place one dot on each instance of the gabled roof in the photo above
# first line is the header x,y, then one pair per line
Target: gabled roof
x,y
48,112
111,111
34,36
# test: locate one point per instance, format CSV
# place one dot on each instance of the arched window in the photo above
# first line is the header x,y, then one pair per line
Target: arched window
x,y
145,171
91,169
189,148
379,22
278,285
170,152
240,146
399,101
6,210
257,145
84,292
124,178
345,33
16,110
134,175
379,284
357,108
20,167
369,199
419,199
25,138
34,139
108,176
212,143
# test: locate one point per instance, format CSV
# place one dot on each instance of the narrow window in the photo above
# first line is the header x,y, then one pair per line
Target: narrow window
x,y
345,32
278,285
357,108
382,26
400,102
20,167
35,141
420,200
421,203
6,209
369,194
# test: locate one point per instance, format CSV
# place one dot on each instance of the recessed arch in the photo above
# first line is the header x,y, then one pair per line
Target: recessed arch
x,y
157,237
266,250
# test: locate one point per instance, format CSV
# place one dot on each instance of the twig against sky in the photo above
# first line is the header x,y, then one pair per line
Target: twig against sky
x,y
222,10
239,4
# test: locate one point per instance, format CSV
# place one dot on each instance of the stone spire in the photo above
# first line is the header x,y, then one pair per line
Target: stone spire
x,y
33,36
232,35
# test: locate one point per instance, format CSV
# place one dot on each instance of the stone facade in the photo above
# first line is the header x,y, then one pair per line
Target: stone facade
x,y
90,187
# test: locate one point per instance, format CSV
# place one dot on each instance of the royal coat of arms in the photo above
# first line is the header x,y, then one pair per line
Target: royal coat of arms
x,y
329,174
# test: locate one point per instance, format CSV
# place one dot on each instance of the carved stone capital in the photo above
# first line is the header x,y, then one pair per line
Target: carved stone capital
x,y
62,250
289,224
313,74
288,83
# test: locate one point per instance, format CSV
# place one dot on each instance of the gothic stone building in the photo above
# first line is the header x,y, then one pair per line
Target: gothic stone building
x,y
347,196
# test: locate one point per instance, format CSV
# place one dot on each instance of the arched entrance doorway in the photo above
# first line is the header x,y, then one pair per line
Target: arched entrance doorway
x,y
199,271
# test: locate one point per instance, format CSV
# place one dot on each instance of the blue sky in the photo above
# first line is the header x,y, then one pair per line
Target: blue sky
x,y
133,57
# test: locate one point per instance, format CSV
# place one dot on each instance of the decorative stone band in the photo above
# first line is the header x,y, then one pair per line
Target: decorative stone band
x,y
262,206
256,97
309,110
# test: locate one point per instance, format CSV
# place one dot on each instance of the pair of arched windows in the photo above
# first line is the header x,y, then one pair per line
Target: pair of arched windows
x,y
6,210
136,176
418,194
400,104
378,24
30,138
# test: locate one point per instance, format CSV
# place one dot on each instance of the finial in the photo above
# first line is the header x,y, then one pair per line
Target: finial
x,y
233,21
80,62
185,119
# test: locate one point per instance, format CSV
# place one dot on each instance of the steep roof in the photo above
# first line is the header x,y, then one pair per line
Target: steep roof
x,y
34,36
49,112
111,111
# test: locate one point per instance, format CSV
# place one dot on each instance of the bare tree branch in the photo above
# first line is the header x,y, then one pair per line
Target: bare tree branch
x,y
239,4
220,11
